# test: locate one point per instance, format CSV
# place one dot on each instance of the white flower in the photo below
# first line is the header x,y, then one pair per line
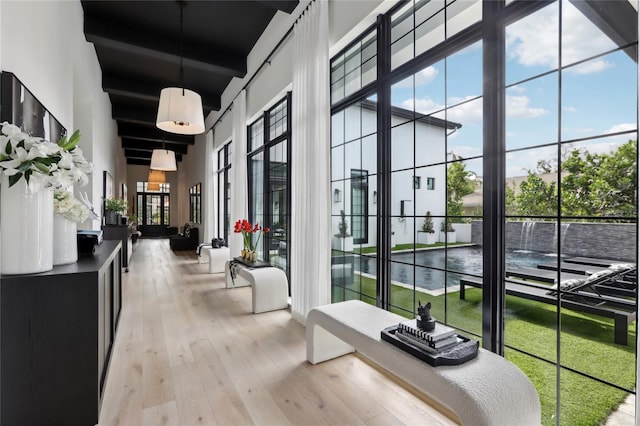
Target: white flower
x,y
67,206
43,164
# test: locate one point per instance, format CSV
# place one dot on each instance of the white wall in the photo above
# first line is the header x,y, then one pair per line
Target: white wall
x,y
43,44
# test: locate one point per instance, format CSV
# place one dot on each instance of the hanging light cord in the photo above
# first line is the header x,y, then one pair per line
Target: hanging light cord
x,y
182,45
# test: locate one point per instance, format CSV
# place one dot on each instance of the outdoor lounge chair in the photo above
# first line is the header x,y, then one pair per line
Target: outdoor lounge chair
x,y
619,279
574,297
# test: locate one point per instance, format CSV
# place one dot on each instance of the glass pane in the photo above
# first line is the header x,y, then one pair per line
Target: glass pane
x,y
353,124
402,196
429,33
532,112
599,178
542,374
462,14
577,405
532,44
609,104
402,143
337,163
337,128
464,74
432,194
256,135
581,38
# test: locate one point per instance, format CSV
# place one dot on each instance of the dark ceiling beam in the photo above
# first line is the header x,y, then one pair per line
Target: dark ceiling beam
x,y
286,6
142,145
143,155
138,162
134,115
134,131
114,35
615,18
151,91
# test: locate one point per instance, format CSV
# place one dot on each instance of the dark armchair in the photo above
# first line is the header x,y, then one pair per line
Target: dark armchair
x,y
188,240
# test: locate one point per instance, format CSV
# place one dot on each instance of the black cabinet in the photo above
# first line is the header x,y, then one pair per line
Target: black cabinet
x,y
56,333
122,233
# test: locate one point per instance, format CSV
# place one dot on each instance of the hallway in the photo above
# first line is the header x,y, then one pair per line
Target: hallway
x,y
189,352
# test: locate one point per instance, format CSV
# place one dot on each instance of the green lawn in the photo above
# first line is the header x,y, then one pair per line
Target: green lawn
x,y
586,345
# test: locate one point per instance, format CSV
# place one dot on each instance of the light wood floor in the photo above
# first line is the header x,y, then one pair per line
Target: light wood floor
x,y
189,352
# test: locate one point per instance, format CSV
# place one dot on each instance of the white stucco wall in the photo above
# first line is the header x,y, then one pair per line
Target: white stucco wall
x,y
43,44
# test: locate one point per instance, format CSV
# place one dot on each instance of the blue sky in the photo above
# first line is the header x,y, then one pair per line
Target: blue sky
x,y
598,96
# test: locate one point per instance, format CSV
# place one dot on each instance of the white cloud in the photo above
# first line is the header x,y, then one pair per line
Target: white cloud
x,y
467,113
518,107
622,127
516,89
590,67
569,109
534,41
423,77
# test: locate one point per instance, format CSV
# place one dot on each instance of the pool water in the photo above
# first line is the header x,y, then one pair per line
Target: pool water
x,y
430,265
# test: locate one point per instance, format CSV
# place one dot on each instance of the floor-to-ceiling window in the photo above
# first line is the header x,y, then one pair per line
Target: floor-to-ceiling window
x,y
533,111
268,165
153,204
571,151
224,191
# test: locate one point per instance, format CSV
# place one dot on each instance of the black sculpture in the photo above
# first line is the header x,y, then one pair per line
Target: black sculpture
x,y
424,320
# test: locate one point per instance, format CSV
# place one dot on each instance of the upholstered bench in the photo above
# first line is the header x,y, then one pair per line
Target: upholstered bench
x,y
488,390
217,257
269,286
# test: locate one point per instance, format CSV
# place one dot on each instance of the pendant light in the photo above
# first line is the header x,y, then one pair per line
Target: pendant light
x,y
156,176
180,109
163,160
153,186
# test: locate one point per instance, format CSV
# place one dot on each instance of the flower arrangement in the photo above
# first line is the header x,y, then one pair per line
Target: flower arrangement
x,y
246,228
43,164
69,207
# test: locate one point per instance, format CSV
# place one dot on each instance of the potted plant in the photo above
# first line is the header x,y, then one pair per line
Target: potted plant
x,y
447,232
342,240
426,234
113,210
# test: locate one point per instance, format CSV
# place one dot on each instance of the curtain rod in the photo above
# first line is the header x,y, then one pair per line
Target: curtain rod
x,y
266,61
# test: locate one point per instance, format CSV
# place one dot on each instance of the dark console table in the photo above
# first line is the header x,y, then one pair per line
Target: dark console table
x,y
122,233
56,332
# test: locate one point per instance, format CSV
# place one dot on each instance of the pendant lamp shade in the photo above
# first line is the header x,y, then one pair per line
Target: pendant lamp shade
x,y
151,186
156,176
163,159
180,111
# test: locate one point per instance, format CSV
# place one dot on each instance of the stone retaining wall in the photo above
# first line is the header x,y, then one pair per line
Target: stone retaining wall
x,y
601,240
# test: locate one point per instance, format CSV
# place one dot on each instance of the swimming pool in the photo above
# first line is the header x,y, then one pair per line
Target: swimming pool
x,y
430,265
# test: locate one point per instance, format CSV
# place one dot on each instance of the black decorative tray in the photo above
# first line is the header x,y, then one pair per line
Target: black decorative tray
x,y
256,264
465,350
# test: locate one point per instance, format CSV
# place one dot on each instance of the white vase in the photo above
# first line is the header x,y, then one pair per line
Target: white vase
x,y
26,229
65,242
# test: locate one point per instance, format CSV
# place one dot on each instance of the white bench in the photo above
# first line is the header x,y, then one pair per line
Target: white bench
x,y
269,286
217,257
488,390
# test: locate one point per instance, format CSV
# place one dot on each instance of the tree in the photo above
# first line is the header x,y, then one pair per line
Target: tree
x,y
458,185
427,226
536,197
592,185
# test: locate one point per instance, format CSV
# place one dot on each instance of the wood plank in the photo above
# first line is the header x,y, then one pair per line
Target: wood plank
x,y
189,351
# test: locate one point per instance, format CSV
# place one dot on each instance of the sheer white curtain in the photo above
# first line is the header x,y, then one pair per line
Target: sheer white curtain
x,y
209,190
310,189
239,186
